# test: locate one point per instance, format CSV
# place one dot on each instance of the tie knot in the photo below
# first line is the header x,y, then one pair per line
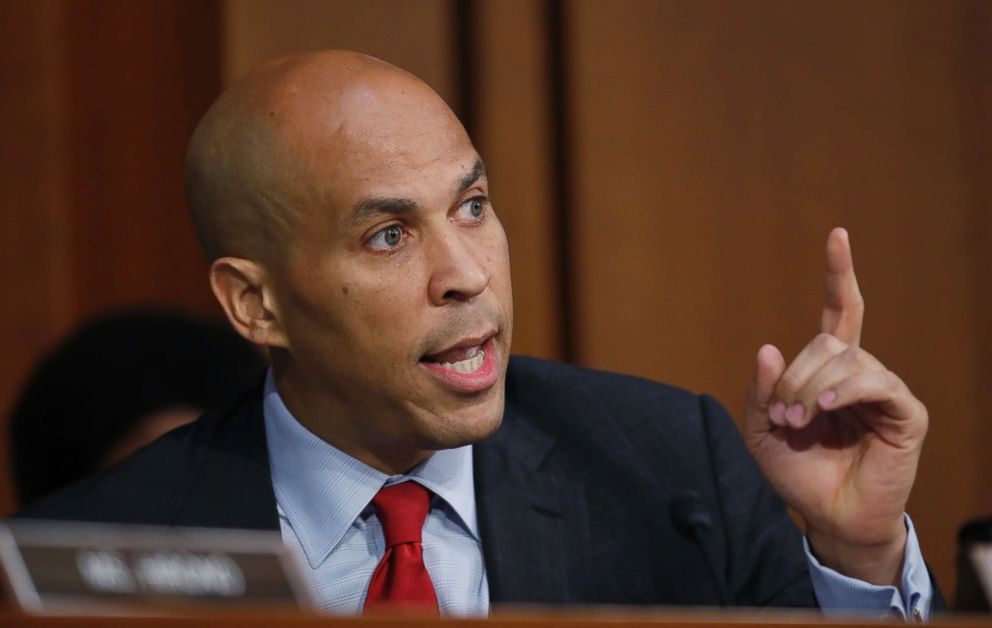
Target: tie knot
x,y
401,509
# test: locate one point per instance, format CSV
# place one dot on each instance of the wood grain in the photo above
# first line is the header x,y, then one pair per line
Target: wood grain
x,y
513,134
717,143
101,98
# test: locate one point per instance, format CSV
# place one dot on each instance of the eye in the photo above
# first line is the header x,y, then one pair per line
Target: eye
x,y
387,238
474,209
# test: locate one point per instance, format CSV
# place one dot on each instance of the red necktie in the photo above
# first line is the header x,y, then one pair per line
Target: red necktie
x,y
401,579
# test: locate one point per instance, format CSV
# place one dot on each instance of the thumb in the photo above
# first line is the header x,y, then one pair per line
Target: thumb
x,y
768,368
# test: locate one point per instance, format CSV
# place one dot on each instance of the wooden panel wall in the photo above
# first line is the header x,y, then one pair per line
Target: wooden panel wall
x,y
32,216
666,171
138,78
98,100
715,144
515,133
418,35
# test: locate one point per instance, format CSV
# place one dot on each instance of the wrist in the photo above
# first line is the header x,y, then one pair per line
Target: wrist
x,y
879,563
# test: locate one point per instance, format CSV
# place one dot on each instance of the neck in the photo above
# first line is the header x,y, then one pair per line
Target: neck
x,y
324,415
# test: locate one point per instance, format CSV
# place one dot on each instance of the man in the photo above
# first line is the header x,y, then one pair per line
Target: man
x,y
347,219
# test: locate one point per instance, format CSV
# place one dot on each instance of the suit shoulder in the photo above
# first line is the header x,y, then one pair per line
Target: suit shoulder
x,y
146,487
532,381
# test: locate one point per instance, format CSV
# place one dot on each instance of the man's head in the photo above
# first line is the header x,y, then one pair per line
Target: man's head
x,y
347,218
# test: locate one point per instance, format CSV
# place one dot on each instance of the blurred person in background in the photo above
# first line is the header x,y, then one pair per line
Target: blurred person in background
x,y
114,385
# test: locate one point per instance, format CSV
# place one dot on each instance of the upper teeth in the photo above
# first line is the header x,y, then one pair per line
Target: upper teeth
x,y
468,365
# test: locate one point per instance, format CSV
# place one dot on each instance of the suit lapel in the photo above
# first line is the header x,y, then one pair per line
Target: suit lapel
x,y
532,518
232,485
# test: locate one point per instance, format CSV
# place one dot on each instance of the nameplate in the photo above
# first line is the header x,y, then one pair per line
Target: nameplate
x,y
88,568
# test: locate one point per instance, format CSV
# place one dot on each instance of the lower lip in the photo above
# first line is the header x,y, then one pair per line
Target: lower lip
x,y
479,381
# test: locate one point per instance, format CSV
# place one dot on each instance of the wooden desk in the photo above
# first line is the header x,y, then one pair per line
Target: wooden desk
x,y
518,618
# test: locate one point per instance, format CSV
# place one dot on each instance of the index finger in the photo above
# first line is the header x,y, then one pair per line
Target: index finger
x,y
843,308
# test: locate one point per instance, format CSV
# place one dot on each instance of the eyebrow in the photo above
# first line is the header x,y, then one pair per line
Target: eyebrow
x,y
372,206
477,172
366,208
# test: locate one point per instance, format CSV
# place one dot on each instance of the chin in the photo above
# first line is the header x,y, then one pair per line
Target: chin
x,y
462,428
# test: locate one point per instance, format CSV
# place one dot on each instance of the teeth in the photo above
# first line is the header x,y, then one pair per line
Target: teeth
x,y
468,365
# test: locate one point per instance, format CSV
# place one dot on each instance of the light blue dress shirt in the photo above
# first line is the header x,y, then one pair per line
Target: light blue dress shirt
x,y
324,501
840,596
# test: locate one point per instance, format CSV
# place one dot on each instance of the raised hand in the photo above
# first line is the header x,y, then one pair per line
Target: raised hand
x,y
838,435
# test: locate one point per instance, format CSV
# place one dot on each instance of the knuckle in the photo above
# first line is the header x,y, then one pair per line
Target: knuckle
x,y
858,303
821,340
856,357
828,343
892,382
787,386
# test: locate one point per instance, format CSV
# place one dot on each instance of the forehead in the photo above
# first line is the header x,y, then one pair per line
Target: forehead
x,y
407,150
397,139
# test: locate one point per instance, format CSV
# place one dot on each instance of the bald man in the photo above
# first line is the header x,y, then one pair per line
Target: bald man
x,y
347,219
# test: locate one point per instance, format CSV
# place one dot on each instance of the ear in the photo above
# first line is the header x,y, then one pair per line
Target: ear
x,y
244,291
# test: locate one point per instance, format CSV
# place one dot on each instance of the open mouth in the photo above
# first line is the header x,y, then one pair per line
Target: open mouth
x,y
470,366
466,360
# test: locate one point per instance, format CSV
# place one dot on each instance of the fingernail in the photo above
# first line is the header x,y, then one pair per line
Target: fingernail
x,y
777,412
796,413
826,397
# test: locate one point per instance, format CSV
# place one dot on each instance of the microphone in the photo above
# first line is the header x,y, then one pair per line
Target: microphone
x,y
692,519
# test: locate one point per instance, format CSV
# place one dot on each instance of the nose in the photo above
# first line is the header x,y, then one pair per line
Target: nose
x,y
458,269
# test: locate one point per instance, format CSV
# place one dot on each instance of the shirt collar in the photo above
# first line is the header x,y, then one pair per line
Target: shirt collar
x,y
322,490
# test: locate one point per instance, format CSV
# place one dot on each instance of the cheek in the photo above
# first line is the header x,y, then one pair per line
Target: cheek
x,y
315,308
384,305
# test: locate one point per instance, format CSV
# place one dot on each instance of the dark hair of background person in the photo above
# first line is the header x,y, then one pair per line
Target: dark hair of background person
x,y
973,594
114,384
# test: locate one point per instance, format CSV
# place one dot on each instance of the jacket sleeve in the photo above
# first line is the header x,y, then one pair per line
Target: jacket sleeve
x,y
764,562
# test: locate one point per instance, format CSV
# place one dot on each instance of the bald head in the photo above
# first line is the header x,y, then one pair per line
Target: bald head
x,y
279,139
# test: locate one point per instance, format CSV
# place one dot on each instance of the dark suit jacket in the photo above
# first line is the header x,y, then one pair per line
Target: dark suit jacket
x,y
597,488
